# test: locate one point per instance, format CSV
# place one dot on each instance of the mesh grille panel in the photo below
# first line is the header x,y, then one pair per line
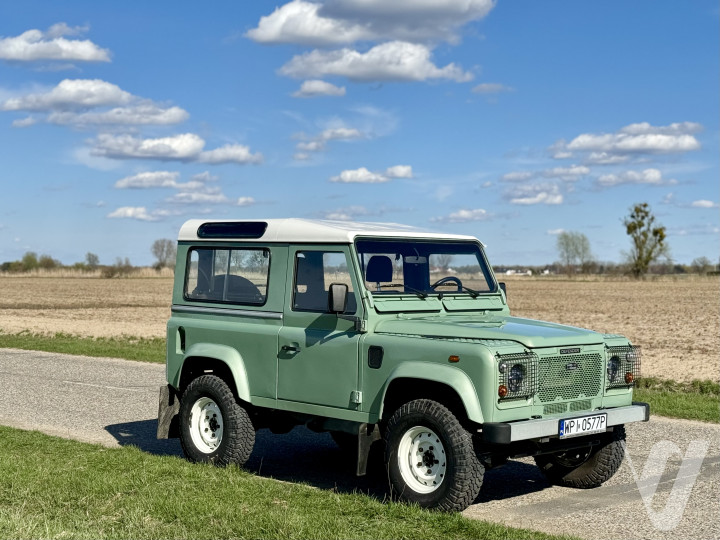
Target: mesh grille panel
x,y
555,408
570,376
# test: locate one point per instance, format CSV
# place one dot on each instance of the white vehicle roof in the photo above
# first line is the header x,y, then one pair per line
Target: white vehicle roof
x,y
296,230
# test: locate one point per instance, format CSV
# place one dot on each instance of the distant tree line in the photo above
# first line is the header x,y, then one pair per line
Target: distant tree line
x,y
163,250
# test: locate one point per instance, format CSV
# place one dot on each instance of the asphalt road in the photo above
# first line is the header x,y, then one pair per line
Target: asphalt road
x,y
114,403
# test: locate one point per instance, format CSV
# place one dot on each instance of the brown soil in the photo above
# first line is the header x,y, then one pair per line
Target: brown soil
x,y
677,323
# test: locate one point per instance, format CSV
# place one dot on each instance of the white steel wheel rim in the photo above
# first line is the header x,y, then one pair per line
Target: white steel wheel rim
x,y
421,459
206,425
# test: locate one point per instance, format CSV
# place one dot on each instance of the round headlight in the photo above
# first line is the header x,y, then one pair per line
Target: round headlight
x,y
613,369
515,378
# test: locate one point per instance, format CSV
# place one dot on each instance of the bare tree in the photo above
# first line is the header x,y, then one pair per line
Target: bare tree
x,y
648,239
701,265
164,251
574,249
92,261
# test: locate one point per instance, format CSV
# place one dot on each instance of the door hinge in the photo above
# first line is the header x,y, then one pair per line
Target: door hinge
x,y
356,397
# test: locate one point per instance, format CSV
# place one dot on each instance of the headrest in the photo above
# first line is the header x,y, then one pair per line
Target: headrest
x,y
379,269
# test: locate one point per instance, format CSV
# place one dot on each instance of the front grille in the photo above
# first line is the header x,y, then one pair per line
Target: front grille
x,y
570,376
554,408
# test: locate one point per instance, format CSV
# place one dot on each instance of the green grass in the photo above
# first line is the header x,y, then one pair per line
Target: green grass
x,y
56,488
696,400
127,347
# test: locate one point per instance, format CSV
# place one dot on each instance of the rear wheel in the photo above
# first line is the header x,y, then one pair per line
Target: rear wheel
x,y
214,428
430,457
586,467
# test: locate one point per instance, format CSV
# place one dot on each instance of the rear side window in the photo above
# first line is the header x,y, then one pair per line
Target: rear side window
x,y
232,276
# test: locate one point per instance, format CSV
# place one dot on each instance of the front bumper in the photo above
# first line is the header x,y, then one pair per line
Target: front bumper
x,y
540,428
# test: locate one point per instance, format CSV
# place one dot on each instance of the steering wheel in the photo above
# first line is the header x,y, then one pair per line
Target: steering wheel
x,y
447,279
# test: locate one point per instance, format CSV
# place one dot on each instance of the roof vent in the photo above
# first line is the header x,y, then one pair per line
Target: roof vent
x,y
232,229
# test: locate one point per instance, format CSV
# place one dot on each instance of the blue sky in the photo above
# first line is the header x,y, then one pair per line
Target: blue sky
x,y
507,120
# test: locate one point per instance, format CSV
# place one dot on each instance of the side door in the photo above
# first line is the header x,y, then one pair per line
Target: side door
x,y
317,350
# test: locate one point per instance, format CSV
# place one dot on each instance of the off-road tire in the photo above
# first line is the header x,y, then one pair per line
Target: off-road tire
x,y
237,435
585,469
462,471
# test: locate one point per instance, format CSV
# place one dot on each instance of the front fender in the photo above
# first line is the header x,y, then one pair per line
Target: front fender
x,y
229,356
450,376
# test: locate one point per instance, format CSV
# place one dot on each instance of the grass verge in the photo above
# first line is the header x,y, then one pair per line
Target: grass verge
x,y
696,400
61,488
127,347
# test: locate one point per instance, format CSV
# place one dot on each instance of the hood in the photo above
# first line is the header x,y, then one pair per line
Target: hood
x,y
529,332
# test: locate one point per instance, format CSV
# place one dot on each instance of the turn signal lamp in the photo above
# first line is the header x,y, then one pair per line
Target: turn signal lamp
x,y
454,359
502,391
629,378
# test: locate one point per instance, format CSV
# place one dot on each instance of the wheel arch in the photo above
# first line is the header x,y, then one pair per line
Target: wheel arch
x,y
445,384
221,360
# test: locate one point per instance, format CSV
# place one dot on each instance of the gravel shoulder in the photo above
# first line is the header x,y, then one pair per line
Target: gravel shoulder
x,y
114,403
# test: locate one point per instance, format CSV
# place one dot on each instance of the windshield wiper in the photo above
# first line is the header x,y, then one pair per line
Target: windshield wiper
x,y
421,294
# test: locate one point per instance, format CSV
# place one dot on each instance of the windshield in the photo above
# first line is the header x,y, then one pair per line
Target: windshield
x,y
423,267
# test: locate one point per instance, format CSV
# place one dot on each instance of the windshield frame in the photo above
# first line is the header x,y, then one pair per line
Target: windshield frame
x,y
485,268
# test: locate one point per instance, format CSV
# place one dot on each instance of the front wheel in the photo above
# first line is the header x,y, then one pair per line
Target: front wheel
x,y
214,428
585,468
430,457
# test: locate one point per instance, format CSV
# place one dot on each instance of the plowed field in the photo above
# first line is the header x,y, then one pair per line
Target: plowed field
x,y
677,322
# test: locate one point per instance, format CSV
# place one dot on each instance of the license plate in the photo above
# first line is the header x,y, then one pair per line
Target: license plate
x,y
573,427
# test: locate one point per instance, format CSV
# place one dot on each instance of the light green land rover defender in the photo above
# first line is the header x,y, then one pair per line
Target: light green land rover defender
x,y
386,334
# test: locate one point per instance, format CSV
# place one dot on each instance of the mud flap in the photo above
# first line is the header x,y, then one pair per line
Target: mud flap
x,y
168,409
367,434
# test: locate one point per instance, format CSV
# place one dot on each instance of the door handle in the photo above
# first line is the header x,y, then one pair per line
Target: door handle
x,y
290,348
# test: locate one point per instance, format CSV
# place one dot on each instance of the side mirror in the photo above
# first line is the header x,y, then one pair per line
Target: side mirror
x,y
503,287
337,298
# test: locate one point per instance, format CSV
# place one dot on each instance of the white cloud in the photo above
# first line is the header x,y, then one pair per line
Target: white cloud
x,y
492,88
364,176
349,213
337,22
605,158
85,102
317,88
360,176
299,22
465,216
647,176
678,128
703,203
391,61
245,201
555,232
640,139
34,45
71,94
531,194
399,171
25,122
196,197
318,143
152,179
149,114
569,174
230,153
134,212
516,176
183,147
186,146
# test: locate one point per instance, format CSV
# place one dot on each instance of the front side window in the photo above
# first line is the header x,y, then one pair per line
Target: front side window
x,y
235,276
314,272
408,266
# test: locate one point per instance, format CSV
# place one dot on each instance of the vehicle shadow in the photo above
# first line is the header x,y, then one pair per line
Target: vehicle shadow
x,y
313,458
